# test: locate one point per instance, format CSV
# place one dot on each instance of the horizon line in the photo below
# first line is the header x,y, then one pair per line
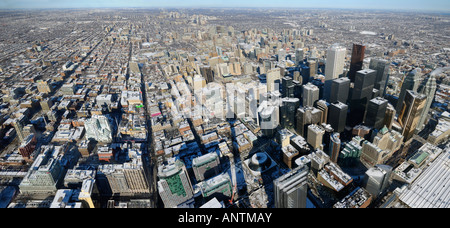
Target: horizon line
x,y
228,7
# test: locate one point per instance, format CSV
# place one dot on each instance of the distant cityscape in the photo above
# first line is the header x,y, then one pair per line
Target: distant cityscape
x,y
224,108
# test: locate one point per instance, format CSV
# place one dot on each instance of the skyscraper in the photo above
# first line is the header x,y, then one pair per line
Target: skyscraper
x,y
315,136
273,80
340,88
356,63
334,66
364,83
429,90
207,73
413,105
288,111
376,179
287,87
390,115
382,68
335,147
410,82
335,62
305,117
290,189
337,116
310,94
361,94
376,110
174,185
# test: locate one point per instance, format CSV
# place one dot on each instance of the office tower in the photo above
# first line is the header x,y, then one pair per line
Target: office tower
x,y
429,90
281,55
299,55
356,63
18,126
305,117
361,94
375,113
174,185
207,73
315,136
364,83
327,136
287,87
334,66
413,106
337,116
340,88
382,68
206,166
322,105
288,111
335,147
410,82
376,179
297,77
43,87
390,116
305,72
290,190
268,118
273,80
312,64
218,187
310,95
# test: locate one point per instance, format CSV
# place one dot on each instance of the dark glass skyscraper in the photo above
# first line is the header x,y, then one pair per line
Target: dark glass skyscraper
x,y
356,63
376,110
337,116
339,90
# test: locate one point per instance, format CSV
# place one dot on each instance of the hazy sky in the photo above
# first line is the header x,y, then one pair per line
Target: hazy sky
x,y
426,5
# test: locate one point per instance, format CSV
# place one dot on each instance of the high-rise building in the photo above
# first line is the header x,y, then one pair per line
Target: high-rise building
x,y
287,87
335,147
273,77
382,68
305,117
375,113
322,105
290,190
410,82
334,66
429,90
18,126
335,62
299,55
390,115
376,179
310,95
207,73
364,84
356,63
288,111
312,64
413,106
340,88
361,94
315,136
206,166
337,116
174,185
43,87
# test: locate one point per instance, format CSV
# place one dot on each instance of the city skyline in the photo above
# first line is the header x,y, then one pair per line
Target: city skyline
x,y
401,5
